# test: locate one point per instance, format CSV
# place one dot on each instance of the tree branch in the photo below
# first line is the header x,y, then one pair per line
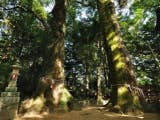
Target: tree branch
x,y
44,22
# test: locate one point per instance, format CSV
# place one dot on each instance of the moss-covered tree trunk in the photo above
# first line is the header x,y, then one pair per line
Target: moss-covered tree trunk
x,y
121,75
50,91
56,72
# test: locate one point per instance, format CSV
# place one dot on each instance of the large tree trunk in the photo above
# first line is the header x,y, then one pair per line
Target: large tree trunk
x,y
56,68
121,75
50,91
54,72
99,73
58,31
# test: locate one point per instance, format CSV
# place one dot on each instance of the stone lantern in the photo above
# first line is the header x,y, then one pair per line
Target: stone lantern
x,y
10,97
15,71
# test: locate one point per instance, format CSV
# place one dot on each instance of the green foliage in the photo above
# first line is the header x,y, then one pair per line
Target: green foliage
x,y
4,75
23,37
88,54
39,9
142,41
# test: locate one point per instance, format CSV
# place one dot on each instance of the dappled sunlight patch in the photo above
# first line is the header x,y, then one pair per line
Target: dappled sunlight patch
x,y
128,102
65,99
116,57
66,96
114,47
111,36
61,97
36,6
30,106
90,108
103,1
57,92
125,99
136,101
120,64
32,115
122,90
111,114
58,70
132,116
113,41
127,59
122,116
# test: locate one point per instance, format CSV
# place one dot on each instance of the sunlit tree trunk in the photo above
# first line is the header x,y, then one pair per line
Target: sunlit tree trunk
x,y
121,75
99,73
56,70
52,85
87,76
99,84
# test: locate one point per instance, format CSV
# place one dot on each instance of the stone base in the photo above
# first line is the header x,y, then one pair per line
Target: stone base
x,y
9,100
10,94
8,114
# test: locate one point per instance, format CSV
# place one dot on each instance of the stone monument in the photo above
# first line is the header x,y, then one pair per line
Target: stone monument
x,y
10,98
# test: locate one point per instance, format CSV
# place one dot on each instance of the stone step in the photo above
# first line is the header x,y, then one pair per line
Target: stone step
x,y
4,115
10,94
13,81
11,89
12,84
9,106
8,114
9,99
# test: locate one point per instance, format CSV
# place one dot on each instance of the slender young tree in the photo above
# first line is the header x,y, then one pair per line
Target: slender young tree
x,y
99,84
99,74
87,76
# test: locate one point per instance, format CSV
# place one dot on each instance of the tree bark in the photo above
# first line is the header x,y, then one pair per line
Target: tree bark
x,y
121,75
99,84
87,76
56,69
51,87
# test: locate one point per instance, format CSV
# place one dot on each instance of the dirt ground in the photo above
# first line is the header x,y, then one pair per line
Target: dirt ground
x,y
89,113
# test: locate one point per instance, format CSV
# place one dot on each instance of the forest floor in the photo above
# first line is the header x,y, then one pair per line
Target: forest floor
x,y
89,113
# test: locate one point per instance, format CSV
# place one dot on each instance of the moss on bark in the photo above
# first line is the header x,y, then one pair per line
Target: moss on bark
x,y
120,67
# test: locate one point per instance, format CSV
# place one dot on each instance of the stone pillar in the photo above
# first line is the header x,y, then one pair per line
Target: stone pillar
x,y
10,98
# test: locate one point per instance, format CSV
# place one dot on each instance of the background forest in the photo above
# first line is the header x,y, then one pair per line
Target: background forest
x,y
28,29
